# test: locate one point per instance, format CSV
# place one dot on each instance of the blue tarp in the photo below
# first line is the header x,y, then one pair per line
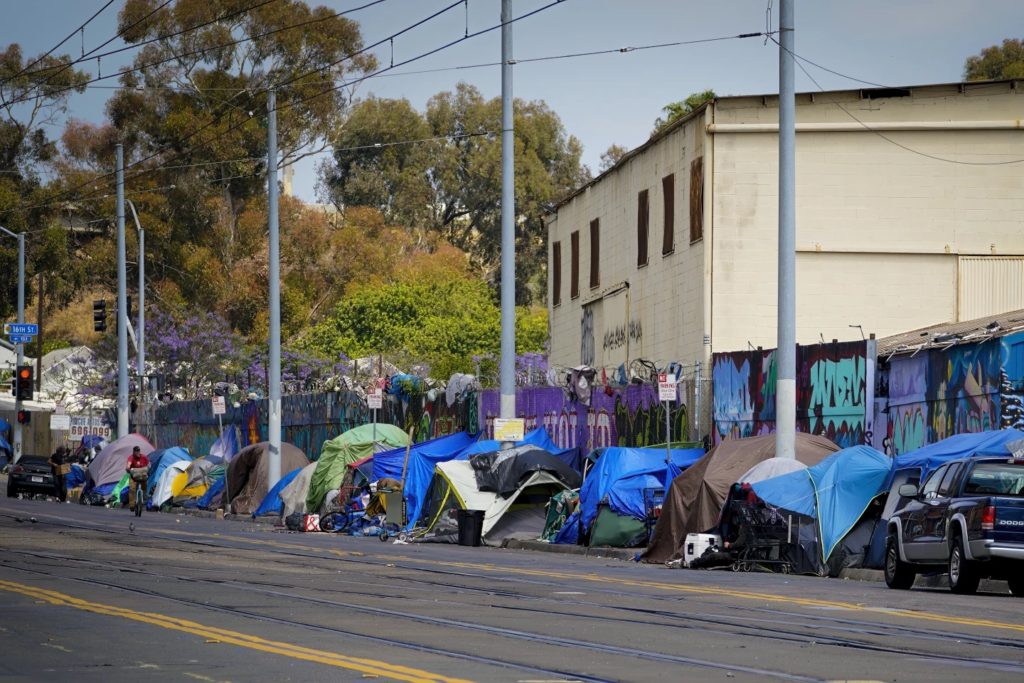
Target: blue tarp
x,y
389,463
836,491
160,460
4,446
932,456
74,478
225,447
271,504
203,503
621,474
421,465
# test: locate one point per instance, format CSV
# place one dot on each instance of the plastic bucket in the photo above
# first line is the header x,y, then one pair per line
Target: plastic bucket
x,y
471,524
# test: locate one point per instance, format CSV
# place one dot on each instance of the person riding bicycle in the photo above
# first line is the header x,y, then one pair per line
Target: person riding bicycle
x,y
138,471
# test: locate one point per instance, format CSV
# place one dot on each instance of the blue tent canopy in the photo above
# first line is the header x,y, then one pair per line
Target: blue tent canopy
x,y
4,446
622,474
204,501
271,503
933,455
160,460
389,463
836,491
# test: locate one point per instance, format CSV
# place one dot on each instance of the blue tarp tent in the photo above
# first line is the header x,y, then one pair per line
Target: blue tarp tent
x,y
622,474
836,491
225,447
539,438
76,477
271,503
389,463
216,488
421,466
160,460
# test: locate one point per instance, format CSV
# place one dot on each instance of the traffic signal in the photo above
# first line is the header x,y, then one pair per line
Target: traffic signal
x,y
24,417
23,380
99,315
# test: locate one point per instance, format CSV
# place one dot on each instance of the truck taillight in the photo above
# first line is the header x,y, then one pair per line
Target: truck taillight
x,y
988,518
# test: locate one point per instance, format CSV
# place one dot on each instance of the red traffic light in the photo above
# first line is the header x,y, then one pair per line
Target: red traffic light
x,y
24,417
24,373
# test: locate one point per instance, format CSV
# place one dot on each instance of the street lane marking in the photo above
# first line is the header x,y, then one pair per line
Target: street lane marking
x,y
366,666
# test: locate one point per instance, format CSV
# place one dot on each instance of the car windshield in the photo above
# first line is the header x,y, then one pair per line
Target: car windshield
x,y
996,478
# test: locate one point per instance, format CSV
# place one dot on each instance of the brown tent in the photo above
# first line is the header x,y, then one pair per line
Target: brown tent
x,y
248,475
696,496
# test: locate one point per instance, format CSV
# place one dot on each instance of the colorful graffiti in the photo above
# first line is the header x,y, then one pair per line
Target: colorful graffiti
x,y
939,392
307,420
835,387
629,416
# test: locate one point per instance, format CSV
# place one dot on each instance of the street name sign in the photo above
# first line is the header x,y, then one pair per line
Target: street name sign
x,y
21,328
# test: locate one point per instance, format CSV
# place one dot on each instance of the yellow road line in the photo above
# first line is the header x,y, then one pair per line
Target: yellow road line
x,y
366,666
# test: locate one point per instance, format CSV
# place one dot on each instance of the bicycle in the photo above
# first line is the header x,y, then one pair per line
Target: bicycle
x,y
138,482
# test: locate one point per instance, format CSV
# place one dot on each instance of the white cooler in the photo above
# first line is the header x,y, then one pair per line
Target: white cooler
x,y
695,545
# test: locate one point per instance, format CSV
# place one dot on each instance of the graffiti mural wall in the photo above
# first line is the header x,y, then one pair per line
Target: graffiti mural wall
x,y
628,416
936,393
834,384
307,420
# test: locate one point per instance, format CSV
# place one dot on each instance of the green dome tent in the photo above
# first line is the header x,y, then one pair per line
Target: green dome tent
x,y
353,445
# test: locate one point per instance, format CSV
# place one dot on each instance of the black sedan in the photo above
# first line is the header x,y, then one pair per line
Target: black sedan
x,y
31,474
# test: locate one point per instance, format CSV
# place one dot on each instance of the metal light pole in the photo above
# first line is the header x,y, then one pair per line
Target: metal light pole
x,y
508,227
274,370
21,320
140,333
122,305
785,358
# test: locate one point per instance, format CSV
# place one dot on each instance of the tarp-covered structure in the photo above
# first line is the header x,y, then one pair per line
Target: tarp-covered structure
x,y
163,490
160,460
913,467
271,503
695,498
293,495
620,478
109,465
194,482
248,474
339,452
517,512
834,494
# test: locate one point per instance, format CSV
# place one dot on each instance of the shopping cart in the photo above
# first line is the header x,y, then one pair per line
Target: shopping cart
x,y
764,537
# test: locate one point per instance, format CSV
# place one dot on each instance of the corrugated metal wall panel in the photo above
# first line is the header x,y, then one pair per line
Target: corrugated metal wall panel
x,y
990,285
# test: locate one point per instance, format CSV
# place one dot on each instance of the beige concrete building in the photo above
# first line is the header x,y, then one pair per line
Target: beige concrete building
x,y
910,212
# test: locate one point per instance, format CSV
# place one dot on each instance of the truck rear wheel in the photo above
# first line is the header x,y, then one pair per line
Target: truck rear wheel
x,y
963,576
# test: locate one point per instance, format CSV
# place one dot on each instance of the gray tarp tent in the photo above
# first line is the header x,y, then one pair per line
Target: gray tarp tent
x,y
248,475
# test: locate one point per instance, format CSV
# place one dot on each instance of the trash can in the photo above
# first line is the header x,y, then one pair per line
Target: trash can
x,y
471,524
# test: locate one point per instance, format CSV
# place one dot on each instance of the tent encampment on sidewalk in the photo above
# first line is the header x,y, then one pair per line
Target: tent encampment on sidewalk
x,y
248,474
695,498
271,503
160,460
109,466
293,495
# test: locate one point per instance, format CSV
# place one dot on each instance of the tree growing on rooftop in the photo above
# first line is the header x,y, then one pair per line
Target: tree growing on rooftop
x,y
676,110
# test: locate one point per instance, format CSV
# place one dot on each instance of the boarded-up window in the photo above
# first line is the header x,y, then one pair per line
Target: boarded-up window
x,y
595,253
556,273
697,199
574,266
668,192
643,212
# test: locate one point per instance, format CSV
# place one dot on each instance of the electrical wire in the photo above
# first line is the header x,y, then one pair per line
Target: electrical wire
x,y
798,59
56,47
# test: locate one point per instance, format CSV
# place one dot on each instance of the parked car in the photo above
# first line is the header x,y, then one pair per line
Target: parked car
x,y
31,474
967,519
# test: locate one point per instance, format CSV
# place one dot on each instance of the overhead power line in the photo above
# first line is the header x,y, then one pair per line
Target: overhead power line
x,y
25,69
867,126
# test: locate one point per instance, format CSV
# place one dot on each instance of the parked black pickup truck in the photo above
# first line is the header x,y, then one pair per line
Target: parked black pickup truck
x,y
967,519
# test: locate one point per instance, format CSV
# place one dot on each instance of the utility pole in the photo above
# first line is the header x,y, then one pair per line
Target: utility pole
x,y
21,320
785,354
122,305
39,337
274,369
140,333
508,226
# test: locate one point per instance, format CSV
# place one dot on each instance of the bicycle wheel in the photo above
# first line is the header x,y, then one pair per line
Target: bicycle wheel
x,y
140,493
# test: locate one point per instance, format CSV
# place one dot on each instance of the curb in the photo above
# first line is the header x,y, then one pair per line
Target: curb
x,y
624,554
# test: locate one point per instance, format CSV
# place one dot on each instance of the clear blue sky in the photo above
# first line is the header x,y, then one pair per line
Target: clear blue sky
x,y
612,98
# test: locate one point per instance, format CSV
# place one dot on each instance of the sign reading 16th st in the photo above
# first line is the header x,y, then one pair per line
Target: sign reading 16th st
x,y
21,328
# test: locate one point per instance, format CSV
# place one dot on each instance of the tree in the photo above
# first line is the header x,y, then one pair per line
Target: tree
x,y
452,183
611,156
677,110
33,96
997,62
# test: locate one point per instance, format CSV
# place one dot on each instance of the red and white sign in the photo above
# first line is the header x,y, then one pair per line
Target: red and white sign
x,y
219,405
666,387
375,399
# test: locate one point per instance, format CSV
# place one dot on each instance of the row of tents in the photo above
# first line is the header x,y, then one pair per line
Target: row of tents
x,y
818,513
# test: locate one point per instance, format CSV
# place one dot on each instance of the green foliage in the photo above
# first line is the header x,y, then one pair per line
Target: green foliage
x,y
997,62
452,185
611,156
442,322
676,110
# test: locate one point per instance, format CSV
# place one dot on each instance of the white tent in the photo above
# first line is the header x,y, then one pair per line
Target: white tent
x,y
770,468
162,491
293,496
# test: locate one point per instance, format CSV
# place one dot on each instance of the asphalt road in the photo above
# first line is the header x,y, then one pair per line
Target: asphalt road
x,y
84,597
